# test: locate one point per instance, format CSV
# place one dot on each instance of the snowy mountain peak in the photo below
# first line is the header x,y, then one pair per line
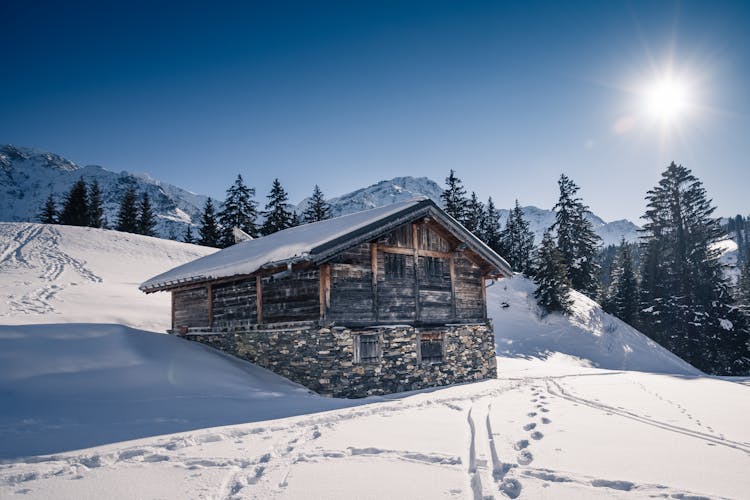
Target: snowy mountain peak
x,y
10,155
28,176
382,193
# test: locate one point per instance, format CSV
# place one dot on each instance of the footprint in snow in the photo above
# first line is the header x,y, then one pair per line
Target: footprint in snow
x,y
545,410
511,488
531,414
528,427
545,420
525,457
537,435
520,445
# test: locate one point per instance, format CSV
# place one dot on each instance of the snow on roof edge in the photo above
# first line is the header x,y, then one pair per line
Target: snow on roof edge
x,y
289,244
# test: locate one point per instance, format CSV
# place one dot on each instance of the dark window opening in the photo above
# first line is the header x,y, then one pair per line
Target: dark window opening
x,y
433,267
431,348
395,265
368,348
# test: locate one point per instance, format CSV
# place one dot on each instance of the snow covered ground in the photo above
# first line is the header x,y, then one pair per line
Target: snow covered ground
x,y
63,274
568,417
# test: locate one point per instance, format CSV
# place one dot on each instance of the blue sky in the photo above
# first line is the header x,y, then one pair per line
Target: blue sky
x,y
509,95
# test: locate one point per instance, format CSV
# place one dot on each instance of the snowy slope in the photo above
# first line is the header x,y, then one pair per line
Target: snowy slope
x,y
61,274
589,334
555,424
28,177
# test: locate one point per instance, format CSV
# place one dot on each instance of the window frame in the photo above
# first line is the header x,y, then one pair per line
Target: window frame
x,y
432,337
357,348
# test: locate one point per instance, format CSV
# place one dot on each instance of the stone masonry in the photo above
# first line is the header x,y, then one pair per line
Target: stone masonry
x,y
322,358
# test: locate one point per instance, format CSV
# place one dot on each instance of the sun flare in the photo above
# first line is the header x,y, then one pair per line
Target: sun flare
x,y
667,99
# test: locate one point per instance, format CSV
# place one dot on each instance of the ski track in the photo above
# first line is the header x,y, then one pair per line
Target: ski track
x,y
560,391
38,247
267,474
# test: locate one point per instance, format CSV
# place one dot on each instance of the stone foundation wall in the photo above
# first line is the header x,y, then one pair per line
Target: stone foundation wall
x,y
323,358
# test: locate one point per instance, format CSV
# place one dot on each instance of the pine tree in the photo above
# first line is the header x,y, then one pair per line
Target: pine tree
x,y
687,305
474,215
240,210
209,234
492,226
318,209
48,212
96,212
553,286
127,215
576,239
743,287
75,209
146,216
517,241
188,236
277,214
454,198
623,295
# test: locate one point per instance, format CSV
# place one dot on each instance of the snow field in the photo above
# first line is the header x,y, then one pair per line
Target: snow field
x,y
61,274
590,435
106,411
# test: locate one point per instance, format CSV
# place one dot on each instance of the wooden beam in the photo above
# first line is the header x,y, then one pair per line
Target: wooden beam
x,y
210,291
410,251
259,298
415,243
325,290
374,270
322,292
173,325
484,296
453,286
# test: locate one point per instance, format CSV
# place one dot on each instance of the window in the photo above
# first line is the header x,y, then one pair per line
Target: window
x,y
395,265
432,267
431,347
367,348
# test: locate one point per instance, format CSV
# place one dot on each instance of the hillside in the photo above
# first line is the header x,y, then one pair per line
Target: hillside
x,y
564,415
589,335
64,274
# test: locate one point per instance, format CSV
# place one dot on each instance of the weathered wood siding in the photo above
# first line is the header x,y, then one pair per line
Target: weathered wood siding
x,y
396,298
435,300
421,293
468,289
292,298
351,286
190,308
234,304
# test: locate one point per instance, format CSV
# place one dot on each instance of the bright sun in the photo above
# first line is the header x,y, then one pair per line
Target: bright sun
x,y
667,99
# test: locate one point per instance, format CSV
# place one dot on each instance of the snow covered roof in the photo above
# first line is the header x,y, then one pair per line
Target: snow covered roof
x,y
316,242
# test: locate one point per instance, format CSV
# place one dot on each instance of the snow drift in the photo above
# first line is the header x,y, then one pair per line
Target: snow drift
x,y
596,338
72,386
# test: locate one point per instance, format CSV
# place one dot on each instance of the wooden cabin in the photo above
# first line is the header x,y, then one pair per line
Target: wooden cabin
x,y
379,301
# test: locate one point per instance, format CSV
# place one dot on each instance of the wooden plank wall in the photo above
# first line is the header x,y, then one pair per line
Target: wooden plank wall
x,y
352,287
468,289
292,298
191,308
234,304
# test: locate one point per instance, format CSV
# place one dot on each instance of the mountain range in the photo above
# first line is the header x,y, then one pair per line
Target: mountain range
x,y
28,177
